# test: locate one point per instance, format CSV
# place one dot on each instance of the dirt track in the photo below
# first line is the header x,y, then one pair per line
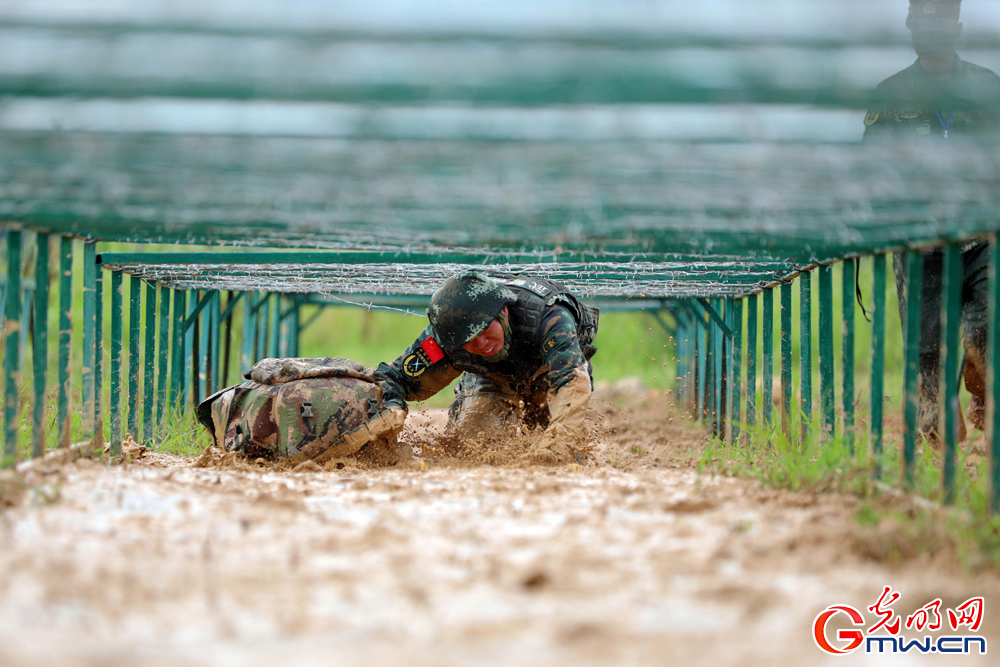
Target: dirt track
x,y
632,559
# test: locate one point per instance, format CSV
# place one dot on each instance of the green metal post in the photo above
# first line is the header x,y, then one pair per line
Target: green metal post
x,y
878,358
12,340
164,357
204,353
786,357
274,326
116,363
993,376
27,296
149,373
689,367
826,388
134,314
951,323
293,326
847,340
735,383
262,325
702,381
98,441
805,348
90,269
249,329
693,368
768,356
40,344
752,304
681,359
226,356
911,355
727,372
65,335
189,367
715,360
709,397
696,354
214,328
722,377
177,348
283,306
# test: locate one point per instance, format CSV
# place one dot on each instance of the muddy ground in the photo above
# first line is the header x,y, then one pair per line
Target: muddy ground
x,y
629,559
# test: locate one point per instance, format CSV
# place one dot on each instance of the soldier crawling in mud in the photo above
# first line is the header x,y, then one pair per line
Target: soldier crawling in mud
x,y
940,98
524,346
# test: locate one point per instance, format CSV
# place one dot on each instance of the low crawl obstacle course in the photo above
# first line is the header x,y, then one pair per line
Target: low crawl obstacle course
x,y
634,180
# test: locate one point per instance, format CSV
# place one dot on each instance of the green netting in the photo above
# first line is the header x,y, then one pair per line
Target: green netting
x,y
653,200
586,180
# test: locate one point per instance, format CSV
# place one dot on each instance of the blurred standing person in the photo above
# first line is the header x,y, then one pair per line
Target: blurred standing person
x,y
937,98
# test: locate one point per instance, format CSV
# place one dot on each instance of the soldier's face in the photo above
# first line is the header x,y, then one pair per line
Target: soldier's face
x,y
934,36
489,342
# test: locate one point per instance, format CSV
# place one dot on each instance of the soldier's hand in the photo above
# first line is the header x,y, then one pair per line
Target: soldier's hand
x,y
395,418
386,424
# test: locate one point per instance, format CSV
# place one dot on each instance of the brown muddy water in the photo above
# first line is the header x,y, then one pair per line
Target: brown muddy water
x,y
460,558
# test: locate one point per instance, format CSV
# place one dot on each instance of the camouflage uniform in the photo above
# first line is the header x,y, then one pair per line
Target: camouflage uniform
x,y
914,106
545,377
301,408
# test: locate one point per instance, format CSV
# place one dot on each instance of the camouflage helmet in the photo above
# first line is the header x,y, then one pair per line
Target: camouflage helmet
x,y
464,306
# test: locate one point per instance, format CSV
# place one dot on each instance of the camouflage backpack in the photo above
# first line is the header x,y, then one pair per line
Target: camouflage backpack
x,y
297,408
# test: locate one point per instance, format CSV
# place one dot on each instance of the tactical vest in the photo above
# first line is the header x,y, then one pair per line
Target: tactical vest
x,y
524,362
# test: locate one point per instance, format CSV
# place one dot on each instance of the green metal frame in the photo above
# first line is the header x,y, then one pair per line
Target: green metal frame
x,y
805,349
736,366
786,356
116,363
65,337
40,343
752,320
12,337
89,333
951,325
911,355
877,396
826,375
767,358
134,337
847,344
163,357
149,373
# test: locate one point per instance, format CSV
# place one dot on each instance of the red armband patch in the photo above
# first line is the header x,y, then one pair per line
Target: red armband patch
x,y
433,350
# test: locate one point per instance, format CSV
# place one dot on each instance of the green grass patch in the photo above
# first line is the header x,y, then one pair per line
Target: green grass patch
x,y
181,435
896,520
